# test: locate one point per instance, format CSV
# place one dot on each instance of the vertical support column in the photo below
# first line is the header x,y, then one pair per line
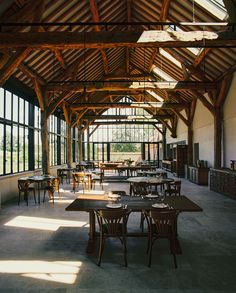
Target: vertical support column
x,y
80,143
164,142
69,146
88,146
45,142
217,136
190,144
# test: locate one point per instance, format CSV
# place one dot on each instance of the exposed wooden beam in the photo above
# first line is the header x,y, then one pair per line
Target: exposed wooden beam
x,y
195,71
151,60
55,103
40,95
186,122
26,69
13,62
224,88
67,114
148,105
164,10
129,12
204,101
96,18
97,86
60,58
114,39
127,76
122,117
125,122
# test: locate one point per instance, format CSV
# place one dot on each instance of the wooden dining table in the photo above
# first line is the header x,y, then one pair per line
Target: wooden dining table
x,y
155,181
178,203
38,179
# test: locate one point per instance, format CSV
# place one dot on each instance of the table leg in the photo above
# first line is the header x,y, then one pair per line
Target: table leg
x,y
39,192
177,244
91,240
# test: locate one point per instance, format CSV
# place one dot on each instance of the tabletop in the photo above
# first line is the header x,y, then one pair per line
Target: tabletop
x,y
150,180
178,203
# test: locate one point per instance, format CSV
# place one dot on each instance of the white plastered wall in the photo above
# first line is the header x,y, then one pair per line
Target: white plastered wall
x,y
230,125
203,133
203,130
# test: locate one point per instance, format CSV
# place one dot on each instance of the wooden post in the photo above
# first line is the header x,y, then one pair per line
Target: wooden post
x,y
88,146
190,145
217,136
45,143
164,142
80,144
69,146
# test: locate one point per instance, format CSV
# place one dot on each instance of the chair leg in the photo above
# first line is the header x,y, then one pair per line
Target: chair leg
x,y
101,248
44,195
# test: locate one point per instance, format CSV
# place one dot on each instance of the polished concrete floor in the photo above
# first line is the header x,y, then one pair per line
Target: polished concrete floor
x,y
42,249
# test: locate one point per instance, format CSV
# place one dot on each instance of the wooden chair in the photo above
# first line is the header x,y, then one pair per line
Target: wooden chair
x,y
24,186
61,174
173,188
161,224
79,178
139,188
112,223
97,177
51,187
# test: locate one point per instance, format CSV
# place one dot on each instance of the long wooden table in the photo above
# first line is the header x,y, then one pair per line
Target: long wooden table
x,y
178,203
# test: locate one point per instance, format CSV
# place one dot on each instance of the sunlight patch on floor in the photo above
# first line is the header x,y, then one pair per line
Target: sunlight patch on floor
x,y
56,271
43,223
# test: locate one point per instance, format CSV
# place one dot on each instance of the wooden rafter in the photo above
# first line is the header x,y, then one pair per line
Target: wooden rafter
x,y
96,18
40,95
186,122
129,86
164,10
224,88
204,101
115,39
55,103
13,62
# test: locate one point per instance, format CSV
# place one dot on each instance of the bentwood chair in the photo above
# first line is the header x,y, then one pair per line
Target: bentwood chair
x,y
139,188
97,177
51,187
112,223
173,188
24,187
161,224
79,178
62,174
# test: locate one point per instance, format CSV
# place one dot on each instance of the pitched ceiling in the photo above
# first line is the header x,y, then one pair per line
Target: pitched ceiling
x,y
98,63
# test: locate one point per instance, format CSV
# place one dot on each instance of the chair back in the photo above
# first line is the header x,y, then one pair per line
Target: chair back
x,y
79,177
140,188
113,222
164,223
23,185
173,188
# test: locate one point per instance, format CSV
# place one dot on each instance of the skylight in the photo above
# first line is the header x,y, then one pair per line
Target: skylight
x,y
156,96
162,74
215,7
171,58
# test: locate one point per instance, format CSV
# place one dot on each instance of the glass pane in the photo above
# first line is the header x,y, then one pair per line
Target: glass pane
x,y
15,149
1,102
21,149
8,105
36,149
26,113
1,148
8,149
15,108
21,111
26,163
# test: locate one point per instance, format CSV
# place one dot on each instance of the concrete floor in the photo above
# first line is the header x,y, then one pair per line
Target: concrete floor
x,y
42,249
